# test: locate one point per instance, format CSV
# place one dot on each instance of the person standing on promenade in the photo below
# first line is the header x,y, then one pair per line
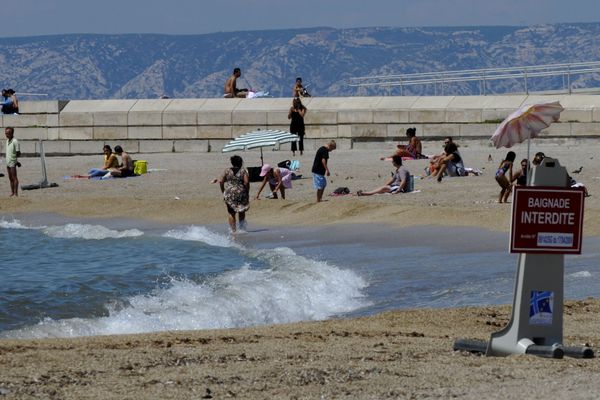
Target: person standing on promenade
x,y
13,152
320,168
235,187
296,115
231,90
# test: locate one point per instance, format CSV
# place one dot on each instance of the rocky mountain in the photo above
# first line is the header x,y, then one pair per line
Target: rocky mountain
x,y
147,66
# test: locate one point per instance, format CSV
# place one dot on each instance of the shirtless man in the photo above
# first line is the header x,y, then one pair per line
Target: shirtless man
x,y
299,90
231,91
126,168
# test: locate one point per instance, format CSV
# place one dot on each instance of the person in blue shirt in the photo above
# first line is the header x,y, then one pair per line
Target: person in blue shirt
x,y
8,105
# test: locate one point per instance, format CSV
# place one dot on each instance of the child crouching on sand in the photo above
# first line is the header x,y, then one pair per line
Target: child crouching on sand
x,y
504,176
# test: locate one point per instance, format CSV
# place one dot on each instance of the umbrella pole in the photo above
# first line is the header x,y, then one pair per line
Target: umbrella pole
x,y
528,163
261,158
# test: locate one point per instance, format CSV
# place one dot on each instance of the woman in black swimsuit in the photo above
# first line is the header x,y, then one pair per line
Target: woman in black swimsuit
x,y
296,114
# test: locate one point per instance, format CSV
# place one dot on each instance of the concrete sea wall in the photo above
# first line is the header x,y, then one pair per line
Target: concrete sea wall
x,y
201,125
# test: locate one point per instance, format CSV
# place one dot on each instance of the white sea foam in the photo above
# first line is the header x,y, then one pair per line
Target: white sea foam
x,y
89,232
580,274
291,288
14,224
201,234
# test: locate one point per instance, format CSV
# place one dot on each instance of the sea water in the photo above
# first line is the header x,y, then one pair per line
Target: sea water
x,y
76,278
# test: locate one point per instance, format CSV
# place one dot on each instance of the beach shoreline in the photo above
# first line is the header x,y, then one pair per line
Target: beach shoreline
x,y
396,354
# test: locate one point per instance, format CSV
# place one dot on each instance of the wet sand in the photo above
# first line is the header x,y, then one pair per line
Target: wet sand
x,y
399,354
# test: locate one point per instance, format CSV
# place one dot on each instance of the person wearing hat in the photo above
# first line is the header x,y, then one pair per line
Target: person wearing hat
x,y
278,178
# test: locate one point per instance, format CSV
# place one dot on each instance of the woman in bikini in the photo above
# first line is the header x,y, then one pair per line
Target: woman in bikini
x,y
412,150
504,175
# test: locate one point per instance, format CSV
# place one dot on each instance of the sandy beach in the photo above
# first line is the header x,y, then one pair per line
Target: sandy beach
x,y
399,354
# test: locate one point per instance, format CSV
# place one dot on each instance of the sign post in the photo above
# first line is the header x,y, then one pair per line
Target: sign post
x,y
546,219
547,222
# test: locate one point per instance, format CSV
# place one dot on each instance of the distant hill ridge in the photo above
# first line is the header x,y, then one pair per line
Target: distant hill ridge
x,y
89,66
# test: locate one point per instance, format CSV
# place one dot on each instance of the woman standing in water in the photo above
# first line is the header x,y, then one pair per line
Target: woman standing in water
x,y
235,186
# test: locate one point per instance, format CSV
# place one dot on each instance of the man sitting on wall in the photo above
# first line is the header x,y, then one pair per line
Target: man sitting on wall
x,y
231,90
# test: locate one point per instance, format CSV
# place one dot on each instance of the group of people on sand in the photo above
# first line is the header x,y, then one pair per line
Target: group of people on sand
x,y
507,177
234,183
112,166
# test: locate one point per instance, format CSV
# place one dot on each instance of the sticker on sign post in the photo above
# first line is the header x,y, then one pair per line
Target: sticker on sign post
x,y
541,305
547,220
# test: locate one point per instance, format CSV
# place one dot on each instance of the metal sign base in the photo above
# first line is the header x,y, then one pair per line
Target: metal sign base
x,y
536,324
44,182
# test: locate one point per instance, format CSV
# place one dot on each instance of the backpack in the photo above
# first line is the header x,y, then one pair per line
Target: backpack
x,y
341,190
285,164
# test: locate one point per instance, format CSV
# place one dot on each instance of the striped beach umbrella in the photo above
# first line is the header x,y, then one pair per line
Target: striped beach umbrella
x,y
259,139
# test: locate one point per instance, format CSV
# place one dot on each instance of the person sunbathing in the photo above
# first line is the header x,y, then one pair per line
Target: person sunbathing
x,y
124,169
399,183
434,162
412,150
110,162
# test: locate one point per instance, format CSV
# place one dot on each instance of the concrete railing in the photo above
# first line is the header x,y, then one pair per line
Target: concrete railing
x,y
200,125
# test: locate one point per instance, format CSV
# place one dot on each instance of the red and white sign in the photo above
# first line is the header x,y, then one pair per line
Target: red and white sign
x,y
546,219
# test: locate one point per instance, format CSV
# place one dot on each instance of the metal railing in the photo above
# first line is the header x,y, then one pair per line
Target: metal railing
x,y
484,78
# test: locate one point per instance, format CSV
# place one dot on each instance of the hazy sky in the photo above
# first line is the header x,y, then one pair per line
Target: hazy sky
x,y
43,17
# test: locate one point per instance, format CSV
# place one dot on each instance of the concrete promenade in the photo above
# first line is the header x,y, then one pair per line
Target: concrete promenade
x,y
201,125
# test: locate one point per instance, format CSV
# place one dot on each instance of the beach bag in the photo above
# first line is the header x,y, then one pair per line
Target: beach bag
x,y
411,184
140,167
285,164
341,190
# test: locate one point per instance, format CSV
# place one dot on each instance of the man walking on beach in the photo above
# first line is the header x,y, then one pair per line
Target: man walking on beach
x,y
13,152
231,90
320,168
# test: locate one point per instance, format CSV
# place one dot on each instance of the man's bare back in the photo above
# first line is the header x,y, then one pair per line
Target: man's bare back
x,y
231,89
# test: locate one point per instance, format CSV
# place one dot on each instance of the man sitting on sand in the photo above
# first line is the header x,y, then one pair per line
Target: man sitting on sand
x,y
231,90
399,183
126,167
